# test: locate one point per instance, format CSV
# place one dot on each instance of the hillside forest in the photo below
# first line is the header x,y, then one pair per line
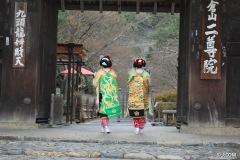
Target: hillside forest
x,y
122,37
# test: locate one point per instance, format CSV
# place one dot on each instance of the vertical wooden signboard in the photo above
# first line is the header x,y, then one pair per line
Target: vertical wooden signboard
x,y
211,39
19,38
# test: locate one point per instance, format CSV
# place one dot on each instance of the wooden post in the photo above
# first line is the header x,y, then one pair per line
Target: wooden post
x,y
152,104
71,46
51,110
119,98
158,112
165,118
119,7
82,6
138,7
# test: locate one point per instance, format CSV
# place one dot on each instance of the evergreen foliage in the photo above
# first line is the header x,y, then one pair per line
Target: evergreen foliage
x,y
167,96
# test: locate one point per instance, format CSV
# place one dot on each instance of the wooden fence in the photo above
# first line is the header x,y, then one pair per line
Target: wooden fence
x,y
84,107
164,113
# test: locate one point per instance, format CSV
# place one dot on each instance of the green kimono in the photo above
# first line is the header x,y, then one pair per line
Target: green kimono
x,y
106,84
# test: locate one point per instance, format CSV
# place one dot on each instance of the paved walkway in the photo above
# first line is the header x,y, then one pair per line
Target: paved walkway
x,y
85,141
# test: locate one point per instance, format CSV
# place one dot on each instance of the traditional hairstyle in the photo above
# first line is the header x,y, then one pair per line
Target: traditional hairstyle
x,y
105,62
139,63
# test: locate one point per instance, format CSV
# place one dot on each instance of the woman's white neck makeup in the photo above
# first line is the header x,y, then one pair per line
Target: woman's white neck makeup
x,y
106,69
139,70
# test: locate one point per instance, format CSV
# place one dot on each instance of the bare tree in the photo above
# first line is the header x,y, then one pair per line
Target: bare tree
x,y
111,34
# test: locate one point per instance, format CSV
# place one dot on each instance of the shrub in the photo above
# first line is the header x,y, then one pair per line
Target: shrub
x,y
168,96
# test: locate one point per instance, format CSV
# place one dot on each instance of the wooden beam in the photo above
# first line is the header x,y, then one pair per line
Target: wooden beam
x,y
119,7
172,8
62,5
63,51
138,7
100,6
81,6
155,8
87,7
177,1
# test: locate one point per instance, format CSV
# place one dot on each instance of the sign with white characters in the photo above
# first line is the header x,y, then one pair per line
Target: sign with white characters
x,y
211,40
19,38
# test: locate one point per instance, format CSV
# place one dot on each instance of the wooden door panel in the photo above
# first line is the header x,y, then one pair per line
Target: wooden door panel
x,y
1,26
232,16
233,87
2,42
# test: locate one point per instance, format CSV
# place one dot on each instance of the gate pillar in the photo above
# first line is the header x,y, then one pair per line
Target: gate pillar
x,y
28,59
202,66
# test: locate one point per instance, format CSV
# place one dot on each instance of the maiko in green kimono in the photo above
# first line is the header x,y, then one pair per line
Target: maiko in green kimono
x,y
105,82
107,86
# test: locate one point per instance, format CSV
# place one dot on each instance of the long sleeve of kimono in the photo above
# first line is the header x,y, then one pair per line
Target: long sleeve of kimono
x,y
96,85
96,79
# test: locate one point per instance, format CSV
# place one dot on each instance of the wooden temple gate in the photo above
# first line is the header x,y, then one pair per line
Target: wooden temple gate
x,y
209,57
